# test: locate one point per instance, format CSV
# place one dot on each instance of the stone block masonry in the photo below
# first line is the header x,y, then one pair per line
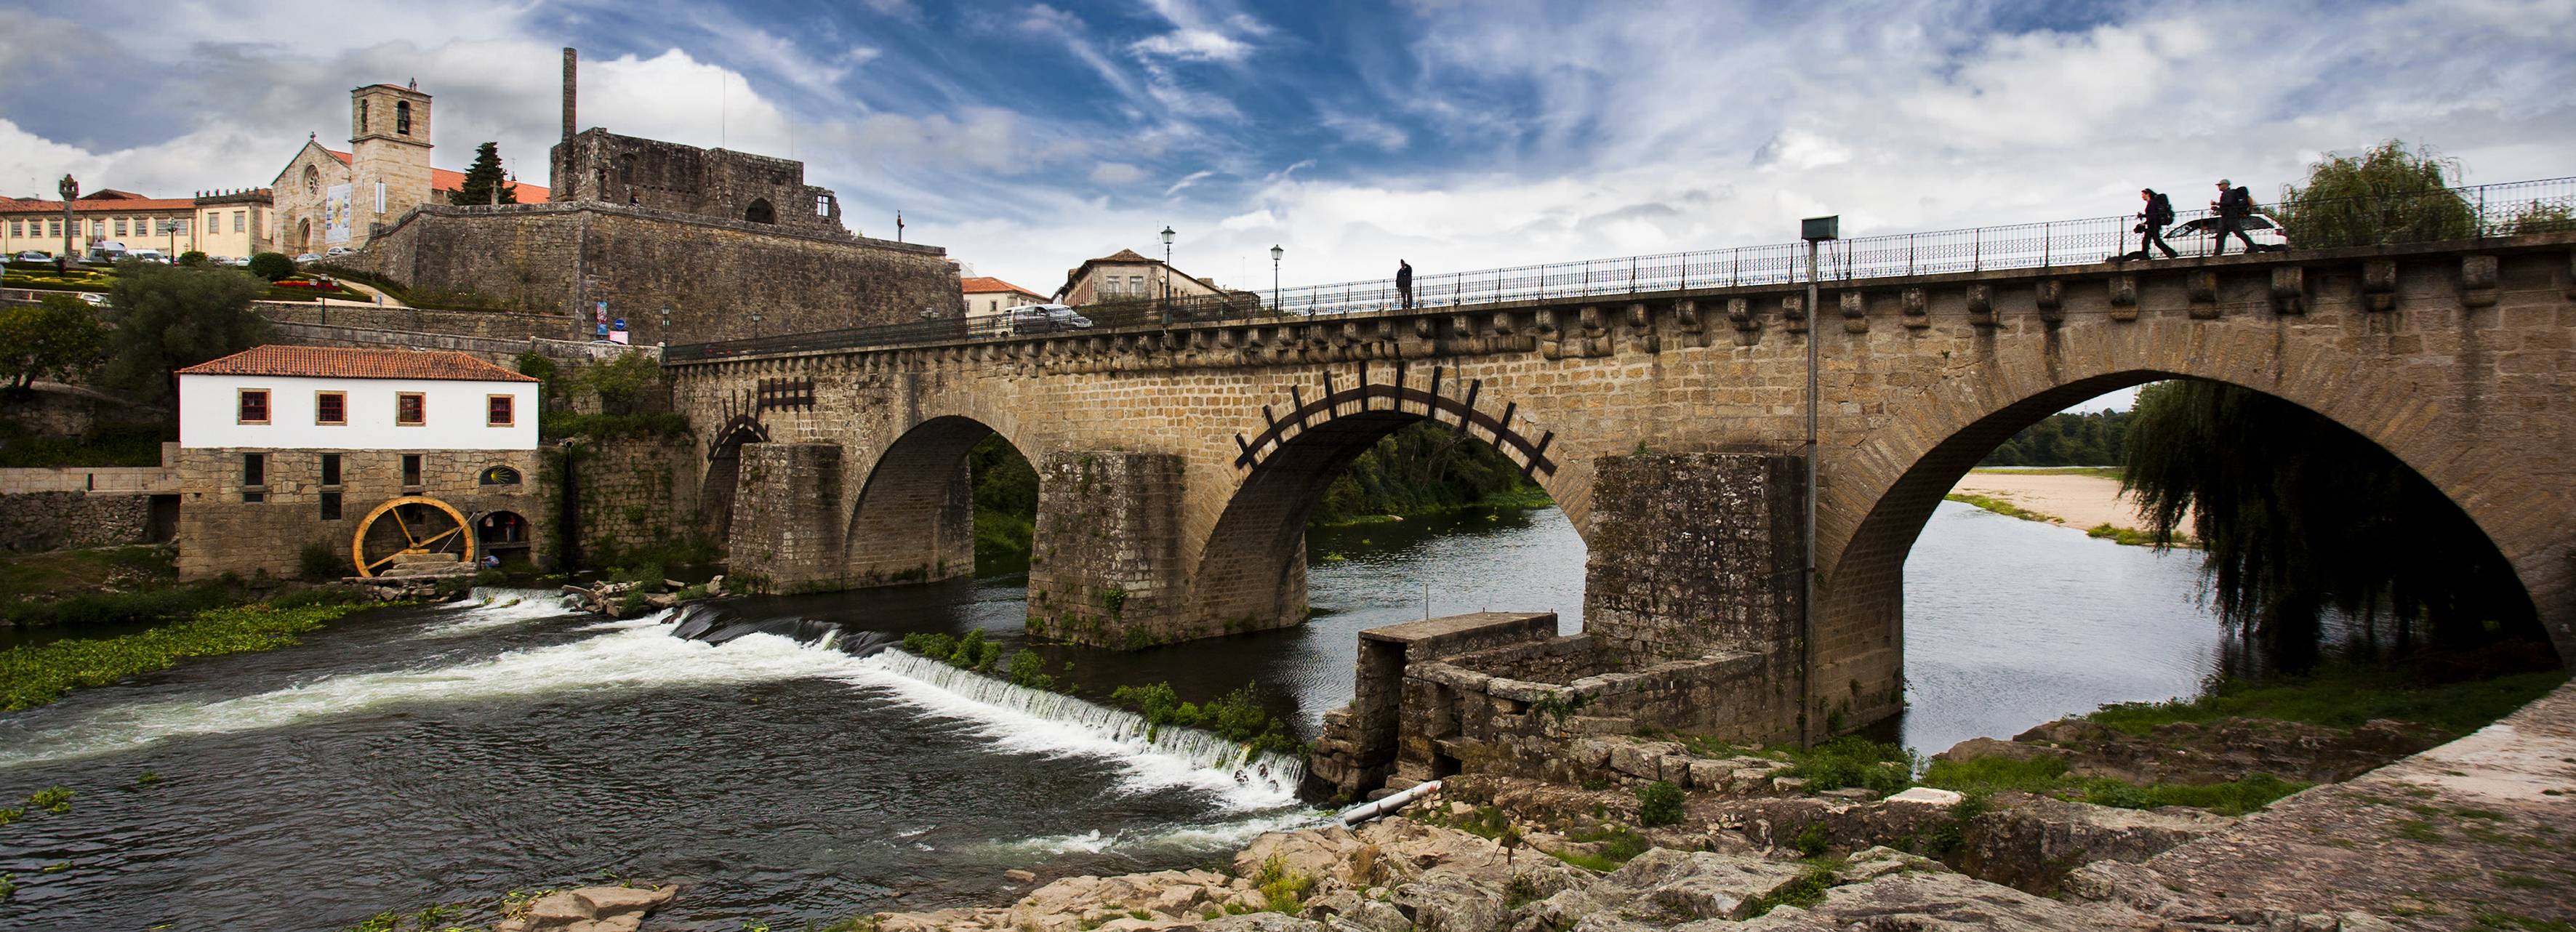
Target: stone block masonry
x,y
786,517
1694,552
635,491
53,520
220,533
1105,568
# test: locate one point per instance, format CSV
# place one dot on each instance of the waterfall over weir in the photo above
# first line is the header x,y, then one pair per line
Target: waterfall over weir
x,y
1269,774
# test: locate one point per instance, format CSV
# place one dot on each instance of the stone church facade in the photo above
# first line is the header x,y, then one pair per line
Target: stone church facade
x,y
326,198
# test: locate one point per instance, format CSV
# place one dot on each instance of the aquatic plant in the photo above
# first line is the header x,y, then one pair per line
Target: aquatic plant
x,y
35,675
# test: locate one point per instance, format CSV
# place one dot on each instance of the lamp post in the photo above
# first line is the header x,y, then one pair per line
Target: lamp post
x,y
1275,253
71,225
1167,275
1814,230
755,324
666,325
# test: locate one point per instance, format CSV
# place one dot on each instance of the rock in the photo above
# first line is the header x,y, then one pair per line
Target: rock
x,y
607,902
1695,885
1642,758
1711,774
1850,794
2033,844
1259,922
1019,875
1974,748
1873,863
1311,853
1676,769
558,911
661,600
1791,786
1927,796
1936,903
1449,902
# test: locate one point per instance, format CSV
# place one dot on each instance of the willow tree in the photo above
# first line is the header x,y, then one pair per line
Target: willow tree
x,y
2298,516
2387,194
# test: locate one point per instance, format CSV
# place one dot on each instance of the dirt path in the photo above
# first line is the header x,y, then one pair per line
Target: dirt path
x,y
2080,502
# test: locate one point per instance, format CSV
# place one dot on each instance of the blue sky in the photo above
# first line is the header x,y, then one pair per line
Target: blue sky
x,y
1026,137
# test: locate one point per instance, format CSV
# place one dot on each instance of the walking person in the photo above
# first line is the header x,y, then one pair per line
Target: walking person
x,y
2233,205
1404,282
2152,222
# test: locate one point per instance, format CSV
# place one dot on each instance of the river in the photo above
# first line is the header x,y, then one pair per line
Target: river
x,y
441,754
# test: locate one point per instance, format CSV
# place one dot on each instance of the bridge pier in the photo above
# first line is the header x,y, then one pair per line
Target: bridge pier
x,y
1105,565
786,510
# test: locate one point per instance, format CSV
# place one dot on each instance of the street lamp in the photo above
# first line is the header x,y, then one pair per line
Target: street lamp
x,y
666,325
755,323
1814,230
1275,253
1167,275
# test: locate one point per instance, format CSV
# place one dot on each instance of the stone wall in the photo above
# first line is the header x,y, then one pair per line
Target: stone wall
x,y
54,520
714,274
1693,552
515,326
1357,750
1102,570
786,518
599,165
219,532
632,491
54,410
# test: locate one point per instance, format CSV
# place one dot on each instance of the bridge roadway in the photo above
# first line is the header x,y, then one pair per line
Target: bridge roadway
x,y
1178,465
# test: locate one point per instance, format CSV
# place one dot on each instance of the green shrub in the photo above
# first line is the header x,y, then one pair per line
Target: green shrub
x,y
1853,761
1236,716
318,561
1659,803
1029,669
272,265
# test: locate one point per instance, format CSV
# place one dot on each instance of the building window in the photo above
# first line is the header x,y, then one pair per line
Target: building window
x,y
97,229
17,228
214,220
330,506
56,226
254,477
256,225
237,221
120,226
411,468
500,411
411,409
402,117
499,475
330,469
362,116
254,406
331,407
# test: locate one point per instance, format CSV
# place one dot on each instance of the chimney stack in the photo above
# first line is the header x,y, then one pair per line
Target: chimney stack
x,y
571,87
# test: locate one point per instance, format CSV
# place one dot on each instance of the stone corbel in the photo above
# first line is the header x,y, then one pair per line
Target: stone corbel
x,y
2050,295
1981,305
1915,308
1793,308
2289,289
1551,337
2202,288
2124,297
2478,281
1855,312
2379,284
1641,330
1686,317
1748,326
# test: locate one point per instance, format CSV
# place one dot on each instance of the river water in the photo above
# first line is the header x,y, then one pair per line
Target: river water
x,y
441,754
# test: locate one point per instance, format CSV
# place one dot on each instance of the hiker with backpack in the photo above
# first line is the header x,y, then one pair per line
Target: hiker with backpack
x,y
2233,205
2152,222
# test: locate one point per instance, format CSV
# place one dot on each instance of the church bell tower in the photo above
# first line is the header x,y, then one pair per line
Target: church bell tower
x,y
389,154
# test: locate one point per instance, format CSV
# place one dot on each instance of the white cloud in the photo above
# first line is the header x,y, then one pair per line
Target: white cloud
x,y
1193,45
1115,173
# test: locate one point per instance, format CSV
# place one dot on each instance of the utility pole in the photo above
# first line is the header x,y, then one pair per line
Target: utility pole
x,y
1814,230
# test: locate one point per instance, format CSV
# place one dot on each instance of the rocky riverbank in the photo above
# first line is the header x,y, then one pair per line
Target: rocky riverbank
x,y
2476,833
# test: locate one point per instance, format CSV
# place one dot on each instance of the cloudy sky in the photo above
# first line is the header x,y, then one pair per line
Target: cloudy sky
x,y
1458,134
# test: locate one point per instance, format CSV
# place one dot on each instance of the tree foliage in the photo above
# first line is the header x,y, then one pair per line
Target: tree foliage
x,y
484,177
2384,195
2298,515
1423,467
2093,438
170,317
629,384
271,266
55,338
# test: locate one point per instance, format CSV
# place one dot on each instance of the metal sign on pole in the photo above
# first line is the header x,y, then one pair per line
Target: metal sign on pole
x,y
1814,230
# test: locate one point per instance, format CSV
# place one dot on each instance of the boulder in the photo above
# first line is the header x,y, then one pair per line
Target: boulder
x,y
1667,885
1259,922
1445,901
1873,863
1934,903
1642,758
1975,748
1310,853
2032,842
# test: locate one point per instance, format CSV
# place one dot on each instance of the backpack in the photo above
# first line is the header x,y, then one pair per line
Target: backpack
x,y
2237,203
2160,210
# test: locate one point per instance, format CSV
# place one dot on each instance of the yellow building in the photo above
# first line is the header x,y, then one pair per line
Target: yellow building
x,y
215,223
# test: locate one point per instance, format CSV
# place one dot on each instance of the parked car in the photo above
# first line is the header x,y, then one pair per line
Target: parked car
x,y
338,251
148,255
1046,318
93,299
307,257
33,256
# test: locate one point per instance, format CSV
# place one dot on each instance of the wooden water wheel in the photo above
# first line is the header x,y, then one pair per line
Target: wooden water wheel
x,y
432,527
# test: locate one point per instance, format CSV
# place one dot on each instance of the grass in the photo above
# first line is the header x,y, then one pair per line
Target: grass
x,y
1853,761
2001,507
2047,776
34,676
2344,696
1808,890
53,571
1617,846
2100,472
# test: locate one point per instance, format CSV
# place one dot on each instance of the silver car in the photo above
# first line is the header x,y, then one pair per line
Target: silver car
x,y
1046,318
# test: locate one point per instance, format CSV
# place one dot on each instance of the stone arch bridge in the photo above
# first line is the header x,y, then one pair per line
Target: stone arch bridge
x,y
1177,465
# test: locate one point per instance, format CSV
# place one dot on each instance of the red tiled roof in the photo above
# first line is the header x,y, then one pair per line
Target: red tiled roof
x,y
87,206
441,179
328,363
985,285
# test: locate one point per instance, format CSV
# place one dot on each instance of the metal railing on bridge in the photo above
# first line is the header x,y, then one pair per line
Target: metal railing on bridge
x,y
2547,205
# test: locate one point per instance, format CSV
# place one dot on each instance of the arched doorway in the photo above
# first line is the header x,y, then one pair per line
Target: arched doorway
x,y
503,534
760,211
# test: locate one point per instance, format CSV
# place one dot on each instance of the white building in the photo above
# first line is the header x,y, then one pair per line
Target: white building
x,y
316,398
986,297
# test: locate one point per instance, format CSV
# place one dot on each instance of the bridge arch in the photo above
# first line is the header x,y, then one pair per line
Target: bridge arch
x,y
914,520
1251,572
723,472
1895,475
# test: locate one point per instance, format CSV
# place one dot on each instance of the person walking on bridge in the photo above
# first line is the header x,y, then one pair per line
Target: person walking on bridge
x,y
2152,221
1404,282
2233,205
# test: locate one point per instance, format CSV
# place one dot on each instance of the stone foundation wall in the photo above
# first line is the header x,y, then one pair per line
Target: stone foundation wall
x,y
786,517
54,520
1106,568
219,532
490,325
636,491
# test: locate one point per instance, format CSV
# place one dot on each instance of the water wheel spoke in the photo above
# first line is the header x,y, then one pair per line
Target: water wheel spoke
x,y
396,514
432,542
388,559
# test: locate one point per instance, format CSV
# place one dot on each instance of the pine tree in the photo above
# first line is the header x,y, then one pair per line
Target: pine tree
x,y
482,177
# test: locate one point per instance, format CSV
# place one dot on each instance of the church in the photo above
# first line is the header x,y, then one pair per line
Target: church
x,y
326,197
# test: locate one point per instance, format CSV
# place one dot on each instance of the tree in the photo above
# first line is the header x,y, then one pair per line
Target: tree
x,y
272,265
192,257
2384,195
58,338
626,385
2298,515
170,317
484,177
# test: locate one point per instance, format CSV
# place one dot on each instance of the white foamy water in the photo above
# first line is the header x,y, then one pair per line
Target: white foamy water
x,y
633,654
1225,836
1017,718
494,608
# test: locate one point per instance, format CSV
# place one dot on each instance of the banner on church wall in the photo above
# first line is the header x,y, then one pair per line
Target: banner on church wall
x,y
336,213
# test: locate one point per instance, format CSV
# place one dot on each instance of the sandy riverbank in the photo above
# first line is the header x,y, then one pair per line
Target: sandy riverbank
x,y
2077,501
